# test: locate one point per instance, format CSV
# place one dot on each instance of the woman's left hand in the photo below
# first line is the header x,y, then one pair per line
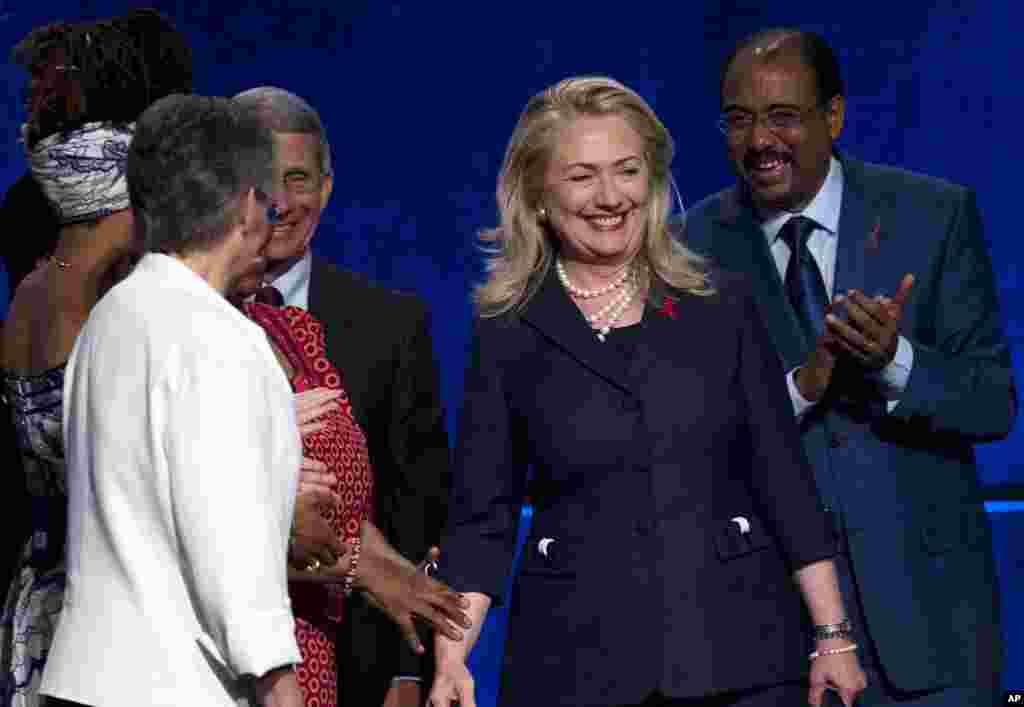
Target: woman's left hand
x,y
841,673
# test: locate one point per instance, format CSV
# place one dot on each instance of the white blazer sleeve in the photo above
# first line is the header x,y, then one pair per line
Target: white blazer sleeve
x,y
226,436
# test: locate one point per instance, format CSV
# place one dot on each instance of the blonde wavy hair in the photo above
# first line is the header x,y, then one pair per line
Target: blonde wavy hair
x,y
520,251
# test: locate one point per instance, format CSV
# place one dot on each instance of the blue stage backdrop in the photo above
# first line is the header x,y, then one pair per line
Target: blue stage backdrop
x,y
420,99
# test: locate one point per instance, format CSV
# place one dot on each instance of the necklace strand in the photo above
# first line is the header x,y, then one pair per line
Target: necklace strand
x,y
589,294
630,283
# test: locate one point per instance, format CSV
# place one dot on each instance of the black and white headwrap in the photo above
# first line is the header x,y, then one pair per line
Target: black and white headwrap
x,y
82,172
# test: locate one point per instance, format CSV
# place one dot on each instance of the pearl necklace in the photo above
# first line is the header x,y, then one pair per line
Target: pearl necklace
x,y
589,294
630,282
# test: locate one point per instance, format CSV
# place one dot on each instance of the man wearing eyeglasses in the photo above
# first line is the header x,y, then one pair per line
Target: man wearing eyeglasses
x,y
878,291
379,340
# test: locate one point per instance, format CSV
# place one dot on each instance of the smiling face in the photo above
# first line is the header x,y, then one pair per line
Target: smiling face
x,y
783,167
301,192
597,190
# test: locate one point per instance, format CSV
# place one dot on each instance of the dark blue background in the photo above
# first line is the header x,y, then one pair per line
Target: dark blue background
x,y
420,99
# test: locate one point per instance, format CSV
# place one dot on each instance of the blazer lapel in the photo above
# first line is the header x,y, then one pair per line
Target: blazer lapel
x,y
858,232
326,298
552,313
741,246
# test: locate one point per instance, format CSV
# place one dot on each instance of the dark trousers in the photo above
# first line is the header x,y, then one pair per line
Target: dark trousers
x,y
786,695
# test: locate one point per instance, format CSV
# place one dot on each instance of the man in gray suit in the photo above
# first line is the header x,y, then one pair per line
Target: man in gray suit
x,y
878,292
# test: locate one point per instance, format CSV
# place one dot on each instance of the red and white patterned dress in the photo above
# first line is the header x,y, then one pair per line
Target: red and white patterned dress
x,y
341,445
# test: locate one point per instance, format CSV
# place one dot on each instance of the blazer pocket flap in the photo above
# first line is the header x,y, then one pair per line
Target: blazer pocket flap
x,y
741,535
547,556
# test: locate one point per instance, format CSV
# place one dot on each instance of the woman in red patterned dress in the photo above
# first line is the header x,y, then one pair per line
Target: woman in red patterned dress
x,y
340,445
335,443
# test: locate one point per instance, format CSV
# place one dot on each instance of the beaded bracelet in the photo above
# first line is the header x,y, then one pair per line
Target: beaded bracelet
x,y
350,576
833,651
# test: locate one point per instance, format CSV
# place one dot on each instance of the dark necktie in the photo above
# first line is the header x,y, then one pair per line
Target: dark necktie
x,y
270,295
805,287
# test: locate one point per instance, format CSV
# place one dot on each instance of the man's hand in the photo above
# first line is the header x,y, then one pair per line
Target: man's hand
x,y
312,537
405,593
871,334
813,378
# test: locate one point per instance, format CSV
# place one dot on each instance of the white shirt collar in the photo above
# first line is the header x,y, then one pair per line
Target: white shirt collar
x,y
169,268
293,284
823,209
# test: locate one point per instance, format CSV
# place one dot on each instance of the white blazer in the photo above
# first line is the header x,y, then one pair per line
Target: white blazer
x,y
183,456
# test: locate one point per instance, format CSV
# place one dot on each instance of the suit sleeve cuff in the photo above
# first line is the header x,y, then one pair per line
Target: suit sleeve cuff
x,y
892,380
800,404
258,644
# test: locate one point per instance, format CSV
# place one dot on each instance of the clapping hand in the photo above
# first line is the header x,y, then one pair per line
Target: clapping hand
x,y
404,592
870,335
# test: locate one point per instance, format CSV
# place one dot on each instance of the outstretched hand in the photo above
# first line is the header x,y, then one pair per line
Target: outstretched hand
x,y
404,592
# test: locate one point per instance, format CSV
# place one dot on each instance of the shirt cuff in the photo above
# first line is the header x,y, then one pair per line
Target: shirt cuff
x,y
406,678
800,404
892,380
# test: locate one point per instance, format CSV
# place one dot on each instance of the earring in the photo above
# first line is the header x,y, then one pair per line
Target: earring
x,y
542,214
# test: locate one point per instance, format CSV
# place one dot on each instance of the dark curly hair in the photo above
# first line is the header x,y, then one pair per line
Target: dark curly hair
x,y
190,159
107,70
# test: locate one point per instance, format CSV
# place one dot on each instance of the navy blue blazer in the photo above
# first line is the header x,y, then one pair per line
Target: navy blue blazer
x,y
905,482
638,469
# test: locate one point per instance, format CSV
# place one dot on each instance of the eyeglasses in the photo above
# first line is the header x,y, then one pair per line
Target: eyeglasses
x,y
273,212
738,123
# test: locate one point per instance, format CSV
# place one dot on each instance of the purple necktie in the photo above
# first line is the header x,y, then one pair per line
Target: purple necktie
x,y
270,295
805,287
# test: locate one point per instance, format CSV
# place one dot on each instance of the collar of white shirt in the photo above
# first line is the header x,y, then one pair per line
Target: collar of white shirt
x,y
169,269
293,284
823,209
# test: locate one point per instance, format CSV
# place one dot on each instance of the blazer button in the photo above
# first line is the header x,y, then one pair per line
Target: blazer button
x,y
837,440
630,404
643,527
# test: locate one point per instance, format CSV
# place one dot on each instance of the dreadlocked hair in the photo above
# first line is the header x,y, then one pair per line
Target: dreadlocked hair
x,y
105,71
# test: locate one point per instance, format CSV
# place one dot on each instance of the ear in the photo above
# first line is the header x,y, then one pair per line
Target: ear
x,y
835,113
326,186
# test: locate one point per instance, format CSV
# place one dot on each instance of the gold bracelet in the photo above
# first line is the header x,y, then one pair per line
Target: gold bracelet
x,y
833,651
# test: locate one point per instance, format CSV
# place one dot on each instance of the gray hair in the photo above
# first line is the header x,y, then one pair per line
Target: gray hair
x,y
284,112
191,161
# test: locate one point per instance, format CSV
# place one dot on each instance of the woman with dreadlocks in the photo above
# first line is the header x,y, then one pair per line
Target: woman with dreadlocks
x,y
89,82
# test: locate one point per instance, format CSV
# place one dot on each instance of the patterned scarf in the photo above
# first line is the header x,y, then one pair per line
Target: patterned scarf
x,y
82,172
